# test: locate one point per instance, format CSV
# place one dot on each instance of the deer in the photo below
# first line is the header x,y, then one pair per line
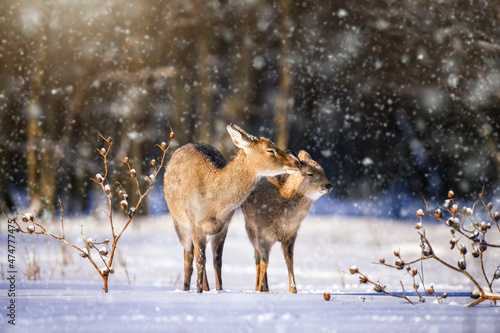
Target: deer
x,y
274,211
203,190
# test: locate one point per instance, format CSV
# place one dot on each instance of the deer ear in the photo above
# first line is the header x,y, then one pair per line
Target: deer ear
x,y
240,138
303,155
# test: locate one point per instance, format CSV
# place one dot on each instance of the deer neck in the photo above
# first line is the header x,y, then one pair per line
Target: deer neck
x,y
290,188
237,179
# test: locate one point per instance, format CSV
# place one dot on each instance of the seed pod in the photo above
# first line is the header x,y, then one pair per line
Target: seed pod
x,y
28,217
453,242
463,249
397,253
105,271
381,260
99,178
153,162
326,296
353,270
438,212
475,254
172,135
133,173
363,279
414,272
84,253
111,270
420,213
163,145
496,275
496,216
447,204
31,229
152,178
468,212
124,204
120,193
451,195
416,285
482,246
400,263
378,288
461,264
489,206
90,242
103,251
430,291
483,226
426,250
131,212
454,208
107,189
418,225
475,294
126,159
103,151
444,295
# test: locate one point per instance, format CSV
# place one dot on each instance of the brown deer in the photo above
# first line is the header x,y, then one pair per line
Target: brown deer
x,y
276,208
202,192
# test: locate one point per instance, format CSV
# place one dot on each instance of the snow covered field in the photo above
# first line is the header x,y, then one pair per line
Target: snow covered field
x,y
145,292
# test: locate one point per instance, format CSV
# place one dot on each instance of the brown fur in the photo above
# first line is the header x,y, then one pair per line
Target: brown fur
x,y
202,191
276,208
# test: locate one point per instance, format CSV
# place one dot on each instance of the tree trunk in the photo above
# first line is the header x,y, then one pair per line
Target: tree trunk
x,y
284,101
203,86
34,130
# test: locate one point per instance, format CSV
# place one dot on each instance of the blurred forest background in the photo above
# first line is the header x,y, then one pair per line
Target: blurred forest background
x,y
394,98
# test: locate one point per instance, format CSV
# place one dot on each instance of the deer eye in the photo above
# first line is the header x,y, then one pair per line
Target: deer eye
x,y
310,175
271,151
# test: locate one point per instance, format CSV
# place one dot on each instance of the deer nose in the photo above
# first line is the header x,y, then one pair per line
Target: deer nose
x,y
329,187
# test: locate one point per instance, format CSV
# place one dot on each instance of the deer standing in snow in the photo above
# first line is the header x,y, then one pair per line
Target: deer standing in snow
x,y
202,191
276,208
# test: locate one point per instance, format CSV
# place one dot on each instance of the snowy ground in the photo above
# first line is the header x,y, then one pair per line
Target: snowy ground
x,y
145,292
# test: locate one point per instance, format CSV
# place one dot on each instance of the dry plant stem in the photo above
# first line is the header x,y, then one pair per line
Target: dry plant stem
x,y
483,296
382,290
103,183
459,230
89,245
43,232
62,216
489,210
116,237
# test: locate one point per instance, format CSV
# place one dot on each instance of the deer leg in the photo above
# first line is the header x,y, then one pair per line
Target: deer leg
x,y
288,253
265,286
200,244
264,260
257,266
206,287
185,239
217,248
188,267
